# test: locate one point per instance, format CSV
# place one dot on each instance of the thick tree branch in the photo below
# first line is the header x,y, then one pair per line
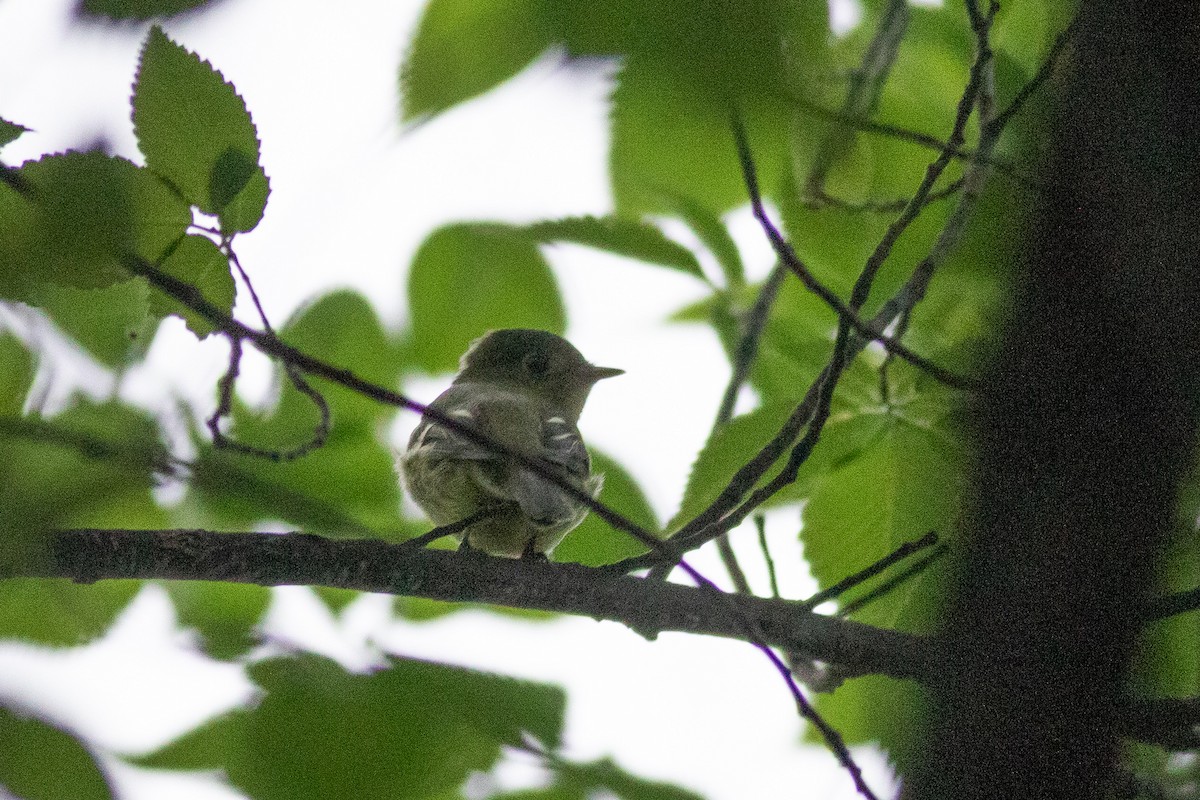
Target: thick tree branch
x,y
652,607
370,565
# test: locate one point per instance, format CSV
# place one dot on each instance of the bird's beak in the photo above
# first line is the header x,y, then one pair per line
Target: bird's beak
x,y
600,373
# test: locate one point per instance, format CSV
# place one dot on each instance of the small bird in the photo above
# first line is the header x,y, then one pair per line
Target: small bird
x,y
524,389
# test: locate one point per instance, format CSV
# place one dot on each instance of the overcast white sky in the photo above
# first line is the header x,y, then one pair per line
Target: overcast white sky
x,y
352,197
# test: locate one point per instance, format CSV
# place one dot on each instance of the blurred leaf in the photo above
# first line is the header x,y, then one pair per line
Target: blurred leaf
x,y
140,9
715,236
91,466
113,323
40,761
422,728
469,278
58,612
875,709
225,614
195,132
84,212
346,487
10,131
16,375
342,328
621,236
462,48
594,542
198,262
667,131
604,777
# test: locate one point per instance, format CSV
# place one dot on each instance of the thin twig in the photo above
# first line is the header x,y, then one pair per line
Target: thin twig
x,y
747,346
729,560
845,312
225,386
894,583
442,531
846,584
880,206
760,523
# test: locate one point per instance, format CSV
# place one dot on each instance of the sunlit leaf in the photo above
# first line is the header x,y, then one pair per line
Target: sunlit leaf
x,y
620,236
197,262
469,278
462,48
196,133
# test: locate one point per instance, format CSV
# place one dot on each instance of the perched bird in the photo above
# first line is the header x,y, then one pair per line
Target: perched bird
x,y
525,390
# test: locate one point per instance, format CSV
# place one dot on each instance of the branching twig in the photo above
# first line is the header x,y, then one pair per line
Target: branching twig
x,y
226,383
895,582
788,256
899,554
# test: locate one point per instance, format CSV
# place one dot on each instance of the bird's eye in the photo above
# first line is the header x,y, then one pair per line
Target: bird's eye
x,y
538,364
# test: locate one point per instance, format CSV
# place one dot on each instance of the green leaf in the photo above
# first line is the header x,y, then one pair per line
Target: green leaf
x,y
885,711
621,236
92,466
195,132
465,47
594,542
10,131
225,614
112,323
40,761
140,9
605,777
469,278
16,375
83,213
198,262
909,482
348,486
715,236
420,729
732,446
60,613
688,151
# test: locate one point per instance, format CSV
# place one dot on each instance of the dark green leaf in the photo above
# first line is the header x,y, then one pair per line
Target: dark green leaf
x,y
140,9
225,614
195,132
10,131
414,730
113,323
60,613
621,236
470,278
39,761
465,47
594,542
16,375
198,262
84,212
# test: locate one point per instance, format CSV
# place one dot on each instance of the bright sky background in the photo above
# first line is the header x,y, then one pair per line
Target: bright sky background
x,y
353,195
